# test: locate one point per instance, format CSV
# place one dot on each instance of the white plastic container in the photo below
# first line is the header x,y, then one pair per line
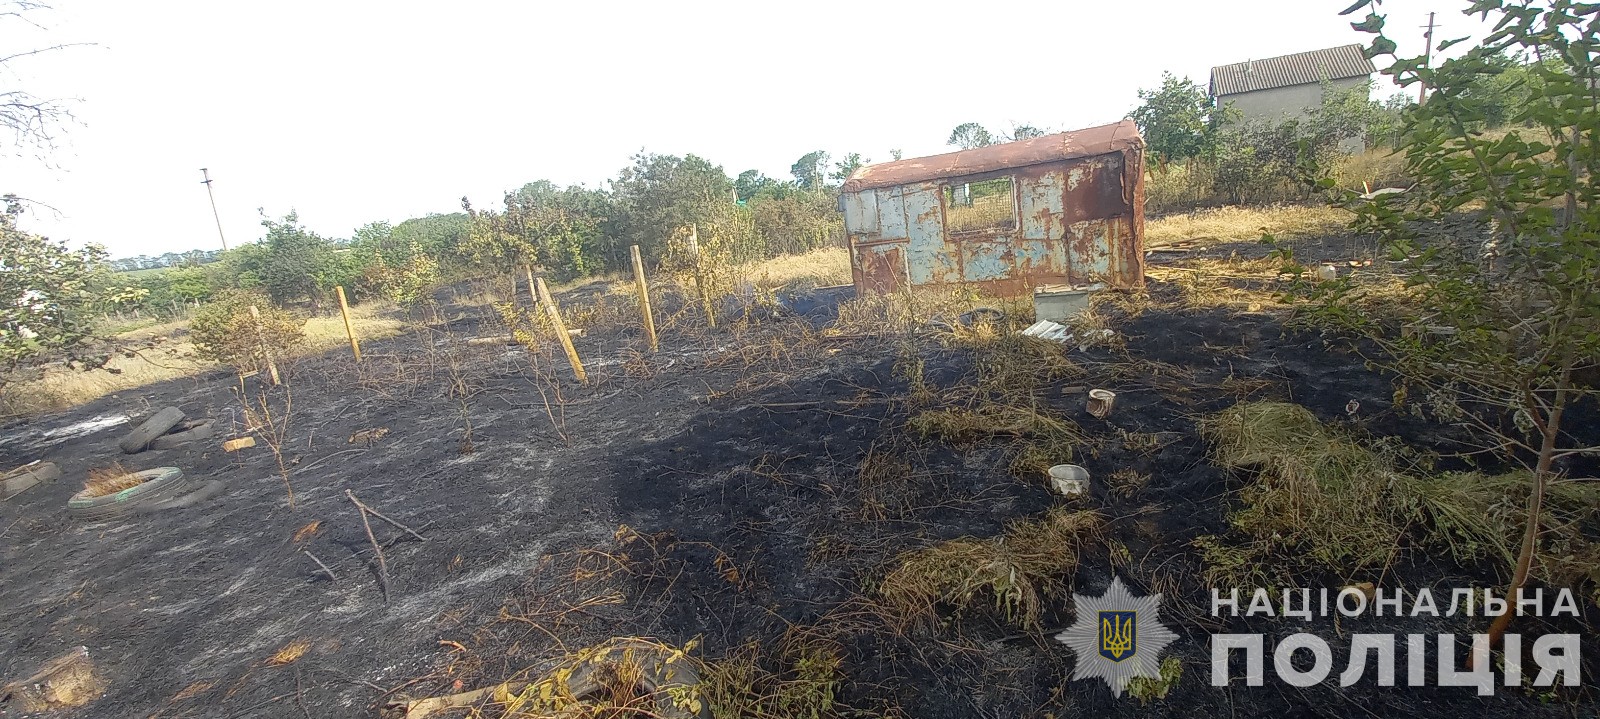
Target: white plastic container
x,y
1062,302
1069,479
1100,402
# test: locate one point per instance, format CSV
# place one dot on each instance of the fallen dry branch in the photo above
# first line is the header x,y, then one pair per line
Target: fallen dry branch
x,y
423,708
320,564
380,515
383,565
309,467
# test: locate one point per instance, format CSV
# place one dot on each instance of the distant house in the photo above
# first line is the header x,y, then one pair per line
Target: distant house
x,y
1279,88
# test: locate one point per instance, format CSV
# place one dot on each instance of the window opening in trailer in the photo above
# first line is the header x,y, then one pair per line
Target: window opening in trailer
x,y
985,205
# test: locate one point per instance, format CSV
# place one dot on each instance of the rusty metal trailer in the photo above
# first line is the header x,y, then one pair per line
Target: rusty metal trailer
x,y
1066,208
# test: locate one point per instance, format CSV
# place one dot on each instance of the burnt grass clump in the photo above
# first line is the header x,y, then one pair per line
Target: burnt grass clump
x,y
744,492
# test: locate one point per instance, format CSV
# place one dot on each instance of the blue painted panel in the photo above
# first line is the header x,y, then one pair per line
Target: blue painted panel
x,y
1090,242
986,260
861,213
1041,205
1042,258
891,214
928,258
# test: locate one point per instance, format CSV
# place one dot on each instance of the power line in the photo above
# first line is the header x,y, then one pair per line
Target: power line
x,y
207,183
1427,61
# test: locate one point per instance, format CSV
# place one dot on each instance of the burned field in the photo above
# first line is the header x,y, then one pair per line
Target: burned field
x,y
839,513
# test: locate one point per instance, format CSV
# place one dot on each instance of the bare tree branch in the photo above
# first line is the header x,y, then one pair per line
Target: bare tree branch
x,y
31,119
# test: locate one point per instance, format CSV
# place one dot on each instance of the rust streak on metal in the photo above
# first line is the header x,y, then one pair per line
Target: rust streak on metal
x,y
1087,142
1075,214
882,267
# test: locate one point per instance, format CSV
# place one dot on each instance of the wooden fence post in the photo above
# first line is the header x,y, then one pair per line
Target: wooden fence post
x,y
644,298
344,309
561,330
272,367
533,297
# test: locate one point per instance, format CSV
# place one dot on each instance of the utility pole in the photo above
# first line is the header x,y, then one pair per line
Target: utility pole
x,y
1427,61
207,182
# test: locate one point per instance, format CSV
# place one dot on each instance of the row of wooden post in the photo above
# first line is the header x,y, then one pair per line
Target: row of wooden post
x,y
266,350
542,295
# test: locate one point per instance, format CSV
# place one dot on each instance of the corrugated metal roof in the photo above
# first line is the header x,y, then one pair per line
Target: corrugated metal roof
x,y
1087,142
1334,63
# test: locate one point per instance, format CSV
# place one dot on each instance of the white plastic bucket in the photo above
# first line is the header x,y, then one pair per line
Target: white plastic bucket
x,y
1069,479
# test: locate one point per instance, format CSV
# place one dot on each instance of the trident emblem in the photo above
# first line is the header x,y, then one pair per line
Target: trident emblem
x,y
1118,635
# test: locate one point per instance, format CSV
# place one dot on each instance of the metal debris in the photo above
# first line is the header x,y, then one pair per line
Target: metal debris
x,y
1047,330
1064,208
1055,332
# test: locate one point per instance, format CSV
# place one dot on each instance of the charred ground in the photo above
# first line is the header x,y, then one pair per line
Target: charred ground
x,y
713,492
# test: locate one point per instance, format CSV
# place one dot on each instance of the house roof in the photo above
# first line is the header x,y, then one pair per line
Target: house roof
x,y
1087,142
1334,63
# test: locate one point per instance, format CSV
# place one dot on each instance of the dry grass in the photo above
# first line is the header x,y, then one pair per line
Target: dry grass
x,y
1011,364
290,653
1318,501
1014,572
802,681
308,531
110,479
1316,498
152,331
817,268
1127,483
1478,515
1245,224
988,211
1003,400
1147,690
969,426
1233,283
797,676
1379,291
885,483
1314,494
1038,440
899,312
61,388
370,320
1185,186
625,676
1375,168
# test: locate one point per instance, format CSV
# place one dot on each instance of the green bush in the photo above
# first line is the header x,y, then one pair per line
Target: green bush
x,y
226,331
406,283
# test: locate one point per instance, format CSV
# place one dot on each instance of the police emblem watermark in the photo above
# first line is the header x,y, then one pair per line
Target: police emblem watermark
x,y
1117,636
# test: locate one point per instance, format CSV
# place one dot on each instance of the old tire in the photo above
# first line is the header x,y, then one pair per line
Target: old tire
x,y
204,492
982,315
160,484
158,424
22,478
174,440
667,676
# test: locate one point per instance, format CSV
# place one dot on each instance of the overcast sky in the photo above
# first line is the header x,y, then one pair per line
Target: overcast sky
x,y
351,112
